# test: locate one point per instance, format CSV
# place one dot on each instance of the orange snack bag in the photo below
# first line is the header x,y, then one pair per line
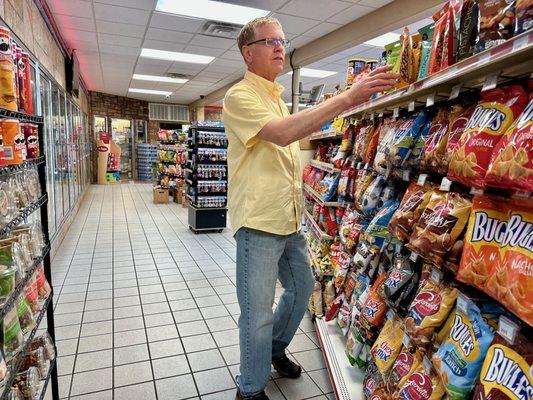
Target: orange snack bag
x,y
482,253
375,308
492,117
511,165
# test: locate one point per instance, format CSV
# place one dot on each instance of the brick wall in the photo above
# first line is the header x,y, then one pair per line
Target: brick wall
x,y
118,106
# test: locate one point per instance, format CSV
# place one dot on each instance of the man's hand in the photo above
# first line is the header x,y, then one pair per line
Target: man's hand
x,y
376,81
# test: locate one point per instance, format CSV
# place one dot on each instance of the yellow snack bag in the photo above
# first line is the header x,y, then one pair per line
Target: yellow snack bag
x,y
388,345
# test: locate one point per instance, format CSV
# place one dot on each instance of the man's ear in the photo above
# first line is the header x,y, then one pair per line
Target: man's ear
x,y
247,54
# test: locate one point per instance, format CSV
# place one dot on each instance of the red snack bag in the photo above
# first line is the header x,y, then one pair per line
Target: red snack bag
x,y
375,308
458,121
371,148
490,120
437,44
511,165
328,220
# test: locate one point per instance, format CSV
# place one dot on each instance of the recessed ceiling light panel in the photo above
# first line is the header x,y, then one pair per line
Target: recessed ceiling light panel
x,y
150,91
383,40
176,56
157,78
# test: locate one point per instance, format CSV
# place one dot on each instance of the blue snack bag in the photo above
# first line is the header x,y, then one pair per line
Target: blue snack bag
x,y
370,199
377,232
405,137
460,356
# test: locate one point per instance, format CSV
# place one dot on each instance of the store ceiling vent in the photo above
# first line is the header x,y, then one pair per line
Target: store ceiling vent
x,y
221,29
168,112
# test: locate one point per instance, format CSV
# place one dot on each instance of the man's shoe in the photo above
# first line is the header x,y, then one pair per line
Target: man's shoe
x,y
286,367
258,396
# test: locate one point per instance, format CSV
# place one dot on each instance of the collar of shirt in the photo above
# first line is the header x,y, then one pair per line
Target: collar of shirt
x,y
274,88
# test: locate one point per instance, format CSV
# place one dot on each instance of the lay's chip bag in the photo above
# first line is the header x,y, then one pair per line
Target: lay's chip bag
x,y
507,372
388,345
460,356
492,117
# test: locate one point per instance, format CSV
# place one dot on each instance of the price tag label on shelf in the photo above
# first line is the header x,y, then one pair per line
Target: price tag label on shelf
x,y
508,329
462,303
411,106
475,191
427,364
396,112
421,179
405,175
436,275
413,257
405,340
491,81
456,90
430,100
520,42
445,185
380,113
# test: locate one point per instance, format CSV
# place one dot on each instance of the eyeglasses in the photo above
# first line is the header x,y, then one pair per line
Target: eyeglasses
x,y
274,42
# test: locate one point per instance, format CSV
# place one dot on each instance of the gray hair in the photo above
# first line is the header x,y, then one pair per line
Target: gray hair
x,y
247,33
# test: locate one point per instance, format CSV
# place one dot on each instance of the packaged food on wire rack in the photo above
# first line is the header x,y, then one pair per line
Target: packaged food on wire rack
x,y
404,366
44,341
12,337
492,117
7,281
8,94
36,358
25,315
404,139
27,382
32,294
511,165
422,384
387,345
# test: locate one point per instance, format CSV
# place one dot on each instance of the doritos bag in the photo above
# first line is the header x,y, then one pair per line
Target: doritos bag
x,y
511,165
490,120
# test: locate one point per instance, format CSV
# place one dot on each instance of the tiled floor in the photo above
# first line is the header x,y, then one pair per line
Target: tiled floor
x,y
147,310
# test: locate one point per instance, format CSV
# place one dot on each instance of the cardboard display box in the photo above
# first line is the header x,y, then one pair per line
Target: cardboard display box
x,y
160,196
178,196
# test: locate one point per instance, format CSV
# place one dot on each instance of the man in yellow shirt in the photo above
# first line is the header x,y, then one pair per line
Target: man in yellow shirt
x,y
265,200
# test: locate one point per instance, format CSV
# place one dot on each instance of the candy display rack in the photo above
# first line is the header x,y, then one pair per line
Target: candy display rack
x,y
46,307
206,176
508,61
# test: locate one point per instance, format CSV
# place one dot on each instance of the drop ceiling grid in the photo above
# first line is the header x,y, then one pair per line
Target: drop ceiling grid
x,y
112,32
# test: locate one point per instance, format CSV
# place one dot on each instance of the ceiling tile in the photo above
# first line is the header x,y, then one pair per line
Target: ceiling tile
x,y
205,79
119,40
204,51
116,28
160,45
75,35
215,68
175,23
185,68
120,50
213,75
219,62
168,35
68,22
123,15
350,14
313,9
295,25
143,62
80,45
159,69
142,4
110,58
232,55
321,29
270,5
212,41
374,3
75,8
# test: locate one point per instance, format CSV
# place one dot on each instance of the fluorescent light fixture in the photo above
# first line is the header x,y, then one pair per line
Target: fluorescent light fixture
x,y
211,10
315,73
157,78
175,56
383,40
149,91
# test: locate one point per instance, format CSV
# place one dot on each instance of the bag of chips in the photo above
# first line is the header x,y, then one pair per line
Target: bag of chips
x,y
401,284
387,134
523,16
495,23
439,226
372,145
485,234
354,344
507,372
370,199
387,345
413,160
405,364
459,116
426,37
374,308
348,173
428,311
435,144
511,165
348,138
422,384
460,356
408,62
405,138
490,120
377,232
413,203
344,317
467,29
437,43
328,220
373,381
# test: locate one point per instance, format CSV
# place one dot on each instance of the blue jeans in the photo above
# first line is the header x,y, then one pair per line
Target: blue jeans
x,y
262,258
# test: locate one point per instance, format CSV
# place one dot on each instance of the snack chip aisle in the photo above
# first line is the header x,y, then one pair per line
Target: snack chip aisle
x,y
172,158
419,221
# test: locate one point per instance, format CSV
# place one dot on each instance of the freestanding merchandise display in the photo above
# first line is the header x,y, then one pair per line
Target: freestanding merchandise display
x,y
207,176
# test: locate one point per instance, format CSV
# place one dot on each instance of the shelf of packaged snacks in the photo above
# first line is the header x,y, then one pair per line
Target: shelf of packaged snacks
x,y
330,133
22,117
212,163
308,189
324,166
347,381
171,142
512,58
44,382
172,175
9,169
23,214
188,170
207,208
321,235
168,162
14,365
209,146
19,288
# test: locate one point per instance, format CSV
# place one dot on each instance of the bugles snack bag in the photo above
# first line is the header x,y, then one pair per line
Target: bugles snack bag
x,y
492,117
8,94
511,165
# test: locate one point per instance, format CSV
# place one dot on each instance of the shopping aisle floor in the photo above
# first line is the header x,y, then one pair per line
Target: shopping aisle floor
x,y
147,310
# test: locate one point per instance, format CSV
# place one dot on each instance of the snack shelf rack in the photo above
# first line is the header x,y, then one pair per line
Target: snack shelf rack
x,y
510,59
346,380
176,146
330,133
308,189
41,205
328,167
319,233
16,362
202,218
44,382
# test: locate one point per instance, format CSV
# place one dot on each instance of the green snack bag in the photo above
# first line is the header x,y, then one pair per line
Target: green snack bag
x,y
393,54
426,36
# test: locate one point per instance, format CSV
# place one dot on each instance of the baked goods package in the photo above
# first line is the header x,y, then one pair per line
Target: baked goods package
x,y
492,117
439,226
482,253
495,23
422,384
435,144
387,345
507,372
511,164
460,356
428,311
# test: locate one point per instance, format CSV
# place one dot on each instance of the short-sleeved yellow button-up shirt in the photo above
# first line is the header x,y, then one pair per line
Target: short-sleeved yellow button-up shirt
x,y
264,182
